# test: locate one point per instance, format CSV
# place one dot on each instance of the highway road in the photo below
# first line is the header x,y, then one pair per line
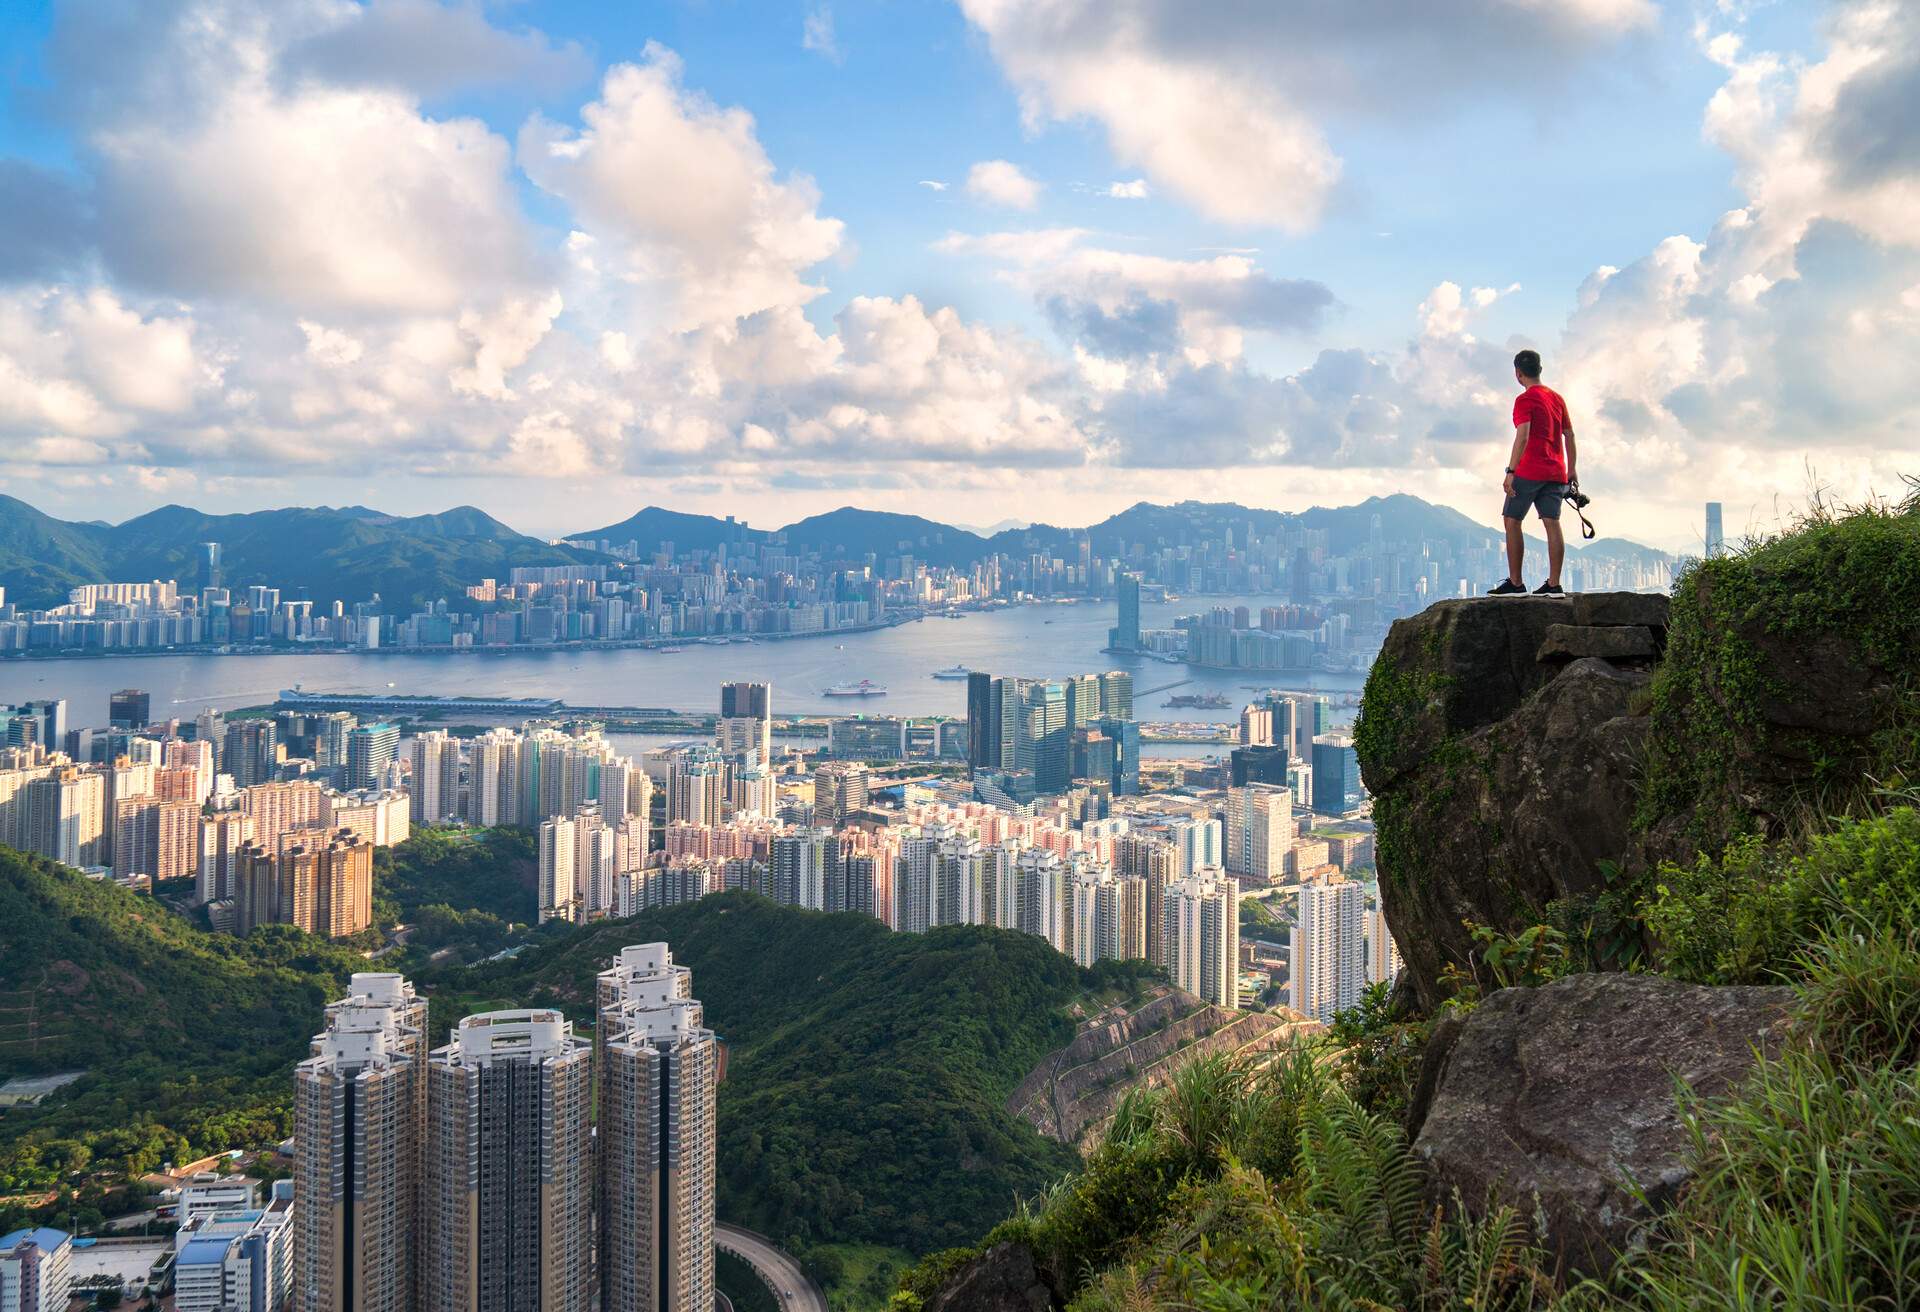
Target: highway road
x,y
783,1275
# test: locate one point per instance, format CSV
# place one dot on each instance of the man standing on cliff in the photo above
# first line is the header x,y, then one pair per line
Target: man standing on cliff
x,y
1539,470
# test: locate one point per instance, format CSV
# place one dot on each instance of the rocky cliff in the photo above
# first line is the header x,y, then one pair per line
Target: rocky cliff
x,y
1501,739
1071,1095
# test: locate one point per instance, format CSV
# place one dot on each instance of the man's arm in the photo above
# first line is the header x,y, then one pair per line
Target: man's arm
x,y
1573,472
1520,432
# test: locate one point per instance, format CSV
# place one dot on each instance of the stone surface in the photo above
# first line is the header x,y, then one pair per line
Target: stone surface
x,y
1645,609
1548,1099
1002,1279
1511,817
1617,642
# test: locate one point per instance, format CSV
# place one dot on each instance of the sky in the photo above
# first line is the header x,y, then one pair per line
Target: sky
x,y
983,261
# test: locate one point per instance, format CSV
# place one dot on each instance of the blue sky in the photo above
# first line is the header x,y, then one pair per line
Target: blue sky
x,y
561,260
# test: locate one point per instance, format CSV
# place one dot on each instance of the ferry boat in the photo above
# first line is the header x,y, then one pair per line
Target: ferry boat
x,y
952,672
864,688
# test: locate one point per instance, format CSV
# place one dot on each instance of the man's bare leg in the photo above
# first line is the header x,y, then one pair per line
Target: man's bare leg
x,y
1517,548
1556,547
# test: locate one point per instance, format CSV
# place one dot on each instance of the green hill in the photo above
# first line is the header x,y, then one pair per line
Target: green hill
x,y
325,553
186,1036
868,1070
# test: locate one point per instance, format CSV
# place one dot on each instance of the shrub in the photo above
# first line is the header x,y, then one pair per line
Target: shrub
x,y
1807,1181
1749,914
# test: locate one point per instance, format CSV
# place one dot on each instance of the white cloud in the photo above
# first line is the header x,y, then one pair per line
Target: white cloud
x,y
1135,190
933,184
682,196
1223,105
997,182
1123,304
816,34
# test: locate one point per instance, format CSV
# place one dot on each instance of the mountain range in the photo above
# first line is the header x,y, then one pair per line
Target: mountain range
x,y
352,553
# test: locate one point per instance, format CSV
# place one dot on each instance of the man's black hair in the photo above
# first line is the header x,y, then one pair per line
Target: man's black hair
x,y
1528,363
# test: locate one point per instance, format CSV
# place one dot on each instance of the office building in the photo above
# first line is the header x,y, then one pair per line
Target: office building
x,y
130,708
1125,735
744,730
1125,634
1256,726
507,1167
211,574
1202,934
370,750
1326,959
1336,775
983,721
1258,765
36,1270
1259,832
358,1119
237,1260
1716,533
840,788
657,1078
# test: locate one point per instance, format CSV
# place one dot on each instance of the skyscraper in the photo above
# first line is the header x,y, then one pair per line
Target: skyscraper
x,y
210,572
657,1078
1256,726
507,1204
745,726
1202,930
1383,954
1326,959
370,750
251,753
1716,536
358,1116
1125,634
130,708
983,721
1258,765
1336,775
1259,831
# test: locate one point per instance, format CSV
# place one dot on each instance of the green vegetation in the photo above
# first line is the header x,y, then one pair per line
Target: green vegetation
x,y
462,889
350,553
186,1036
742,1284
1293,1187
867,1070
1238,1186
1838,595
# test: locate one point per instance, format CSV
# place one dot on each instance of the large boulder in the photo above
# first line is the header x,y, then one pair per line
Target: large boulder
x,y
1002,1279
1493,825
1556,1100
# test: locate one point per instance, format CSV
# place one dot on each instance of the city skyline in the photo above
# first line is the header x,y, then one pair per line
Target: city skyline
x,y
843,253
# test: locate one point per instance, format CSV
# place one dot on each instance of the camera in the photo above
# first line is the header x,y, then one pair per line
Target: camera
x,y
1580,499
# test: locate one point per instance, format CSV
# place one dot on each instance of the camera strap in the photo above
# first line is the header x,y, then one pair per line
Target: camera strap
x,y
1586,525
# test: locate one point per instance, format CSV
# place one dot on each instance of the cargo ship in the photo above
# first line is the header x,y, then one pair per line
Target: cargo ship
x,y
952,672
1210,701
864,688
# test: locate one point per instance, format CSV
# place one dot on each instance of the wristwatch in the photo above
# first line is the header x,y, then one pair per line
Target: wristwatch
x,y
1510,469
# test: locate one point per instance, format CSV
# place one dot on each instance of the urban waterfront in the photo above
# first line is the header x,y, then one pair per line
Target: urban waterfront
x,y
1040,641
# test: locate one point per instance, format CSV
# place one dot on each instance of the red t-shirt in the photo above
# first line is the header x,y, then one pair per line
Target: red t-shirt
x,y
1545,457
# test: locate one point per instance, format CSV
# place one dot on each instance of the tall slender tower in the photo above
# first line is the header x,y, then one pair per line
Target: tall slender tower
x,y
1326,962
745,726
358,1112
1203,937
658,1070
507,1207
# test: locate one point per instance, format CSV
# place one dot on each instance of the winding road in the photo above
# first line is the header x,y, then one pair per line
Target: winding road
x,y
790,1285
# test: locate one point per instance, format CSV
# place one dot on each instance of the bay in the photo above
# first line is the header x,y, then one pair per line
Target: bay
x,y
1037,641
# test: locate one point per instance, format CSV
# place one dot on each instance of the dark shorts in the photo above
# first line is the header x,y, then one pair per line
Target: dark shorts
x,y
1531,492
